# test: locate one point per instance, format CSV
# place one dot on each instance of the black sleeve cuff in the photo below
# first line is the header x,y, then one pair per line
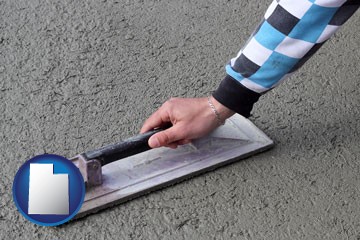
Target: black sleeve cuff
x,y
232,94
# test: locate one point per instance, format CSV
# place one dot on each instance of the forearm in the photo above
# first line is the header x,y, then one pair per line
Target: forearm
x,y
291,32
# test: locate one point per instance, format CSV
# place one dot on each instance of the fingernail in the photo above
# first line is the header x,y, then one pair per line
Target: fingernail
x,y
154,142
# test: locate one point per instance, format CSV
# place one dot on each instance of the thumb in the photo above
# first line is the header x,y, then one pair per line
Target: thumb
x,y
165,137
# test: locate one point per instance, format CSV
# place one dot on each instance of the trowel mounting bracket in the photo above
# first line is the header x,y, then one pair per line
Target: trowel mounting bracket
x,y
90,170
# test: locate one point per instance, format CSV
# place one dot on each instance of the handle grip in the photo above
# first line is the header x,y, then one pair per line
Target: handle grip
x,y
123,149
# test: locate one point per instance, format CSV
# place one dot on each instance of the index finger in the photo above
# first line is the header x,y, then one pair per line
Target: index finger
x,y
157,119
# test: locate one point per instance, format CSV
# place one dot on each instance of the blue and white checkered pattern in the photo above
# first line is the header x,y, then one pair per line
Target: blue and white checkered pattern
x,y
291,32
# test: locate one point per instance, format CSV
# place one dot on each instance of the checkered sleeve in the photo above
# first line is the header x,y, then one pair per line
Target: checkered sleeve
x,y
290,33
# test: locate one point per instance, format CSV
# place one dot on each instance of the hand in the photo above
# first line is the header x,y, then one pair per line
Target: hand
x,y
191,118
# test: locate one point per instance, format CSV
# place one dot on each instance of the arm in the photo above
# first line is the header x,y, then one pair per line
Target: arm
x,y
290,33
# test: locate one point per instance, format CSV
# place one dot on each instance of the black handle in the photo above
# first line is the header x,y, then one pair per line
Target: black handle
x,y
123,149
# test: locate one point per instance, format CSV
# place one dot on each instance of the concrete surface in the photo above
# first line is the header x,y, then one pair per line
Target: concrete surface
x,y
76,75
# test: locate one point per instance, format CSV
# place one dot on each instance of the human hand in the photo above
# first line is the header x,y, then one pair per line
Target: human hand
x,y
191,118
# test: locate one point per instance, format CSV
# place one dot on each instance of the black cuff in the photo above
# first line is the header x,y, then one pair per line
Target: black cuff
x,y
232,94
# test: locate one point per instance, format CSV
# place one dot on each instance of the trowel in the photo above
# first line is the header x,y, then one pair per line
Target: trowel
x,y
125,170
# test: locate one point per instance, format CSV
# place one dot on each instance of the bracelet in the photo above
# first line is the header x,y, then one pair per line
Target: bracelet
x,y
221,122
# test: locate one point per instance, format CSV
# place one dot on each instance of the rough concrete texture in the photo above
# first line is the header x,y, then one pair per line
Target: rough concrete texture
x,y
76,75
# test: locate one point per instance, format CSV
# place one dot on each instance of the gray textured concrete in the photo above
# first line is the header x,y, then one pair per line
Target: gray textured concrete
x,y
76,75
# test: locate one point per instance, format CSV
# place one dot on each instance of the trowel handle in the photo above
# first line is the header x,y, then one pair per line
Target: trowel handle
x,y
123,149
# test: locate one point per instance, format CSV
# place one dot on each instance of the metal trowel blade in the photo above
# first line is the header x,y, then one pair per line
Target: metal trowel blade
x,y
145,172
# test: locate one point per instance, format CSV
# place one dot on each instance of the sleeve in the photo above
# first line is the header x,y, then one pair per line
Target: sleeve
x,y
290,33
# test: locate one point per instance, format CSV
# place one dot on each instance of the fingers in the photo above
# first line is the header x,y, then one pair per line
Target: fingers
x,y
157,119
190,118
174,145
183,142
168,137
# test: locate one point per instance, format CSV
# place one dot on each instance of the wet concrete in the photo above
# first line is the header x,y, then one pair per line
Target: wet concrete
x,y
78,75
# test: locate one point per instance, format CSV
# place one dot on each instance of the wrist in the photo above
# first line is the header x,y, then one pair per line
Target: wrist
x,y
232,94
223,111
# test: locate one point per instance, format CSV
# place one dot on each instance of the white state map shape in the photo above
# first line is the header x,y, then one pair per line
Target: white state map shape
x,y
48,192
